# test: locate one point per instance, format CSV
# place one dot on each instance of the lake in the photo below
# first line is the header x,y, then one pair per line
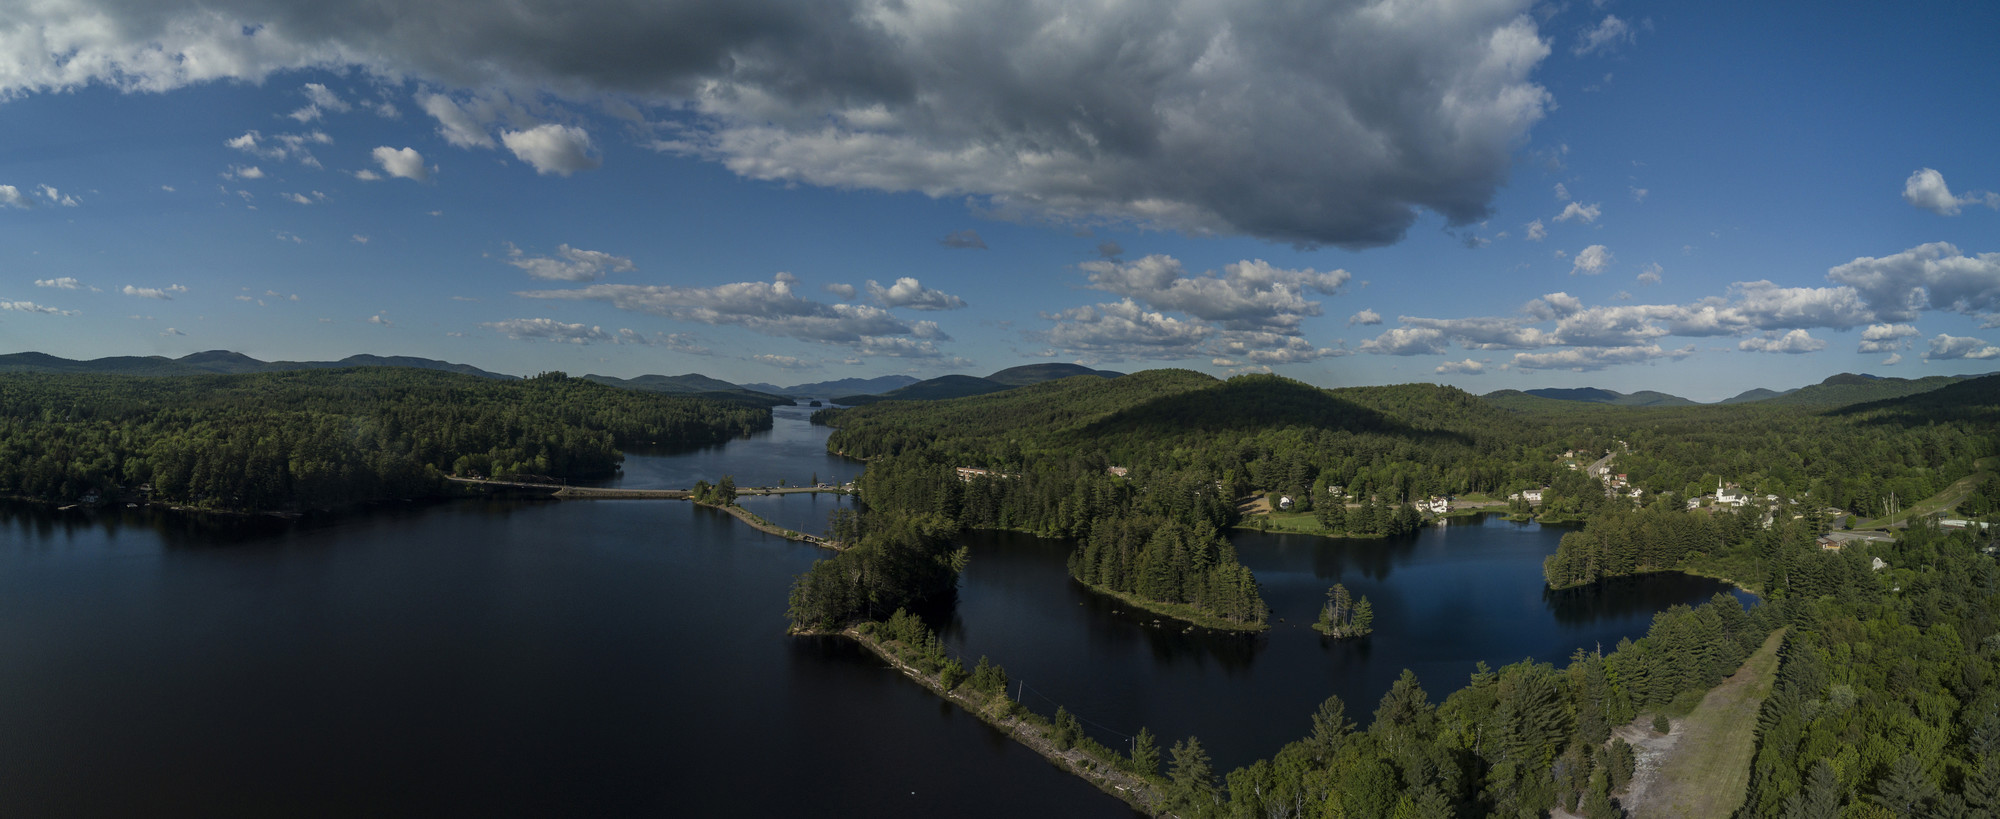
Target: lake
x,y
610,658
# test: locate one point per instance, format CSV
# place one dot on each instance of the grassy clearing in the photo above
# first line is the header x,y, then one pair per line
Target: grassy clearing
x,y
1708,771
1303,523
1940,502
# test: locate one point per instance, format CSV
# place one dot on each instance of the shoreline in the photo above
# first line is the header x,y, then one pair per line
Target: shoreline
x,y
1691,572
1178,611
1104,774
770,528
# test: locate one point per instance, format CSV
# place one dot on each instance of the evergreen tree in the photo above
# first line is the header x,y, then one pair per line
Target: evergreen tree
x,y
1905,792
1330,729
1821,797
1191,780
1145,754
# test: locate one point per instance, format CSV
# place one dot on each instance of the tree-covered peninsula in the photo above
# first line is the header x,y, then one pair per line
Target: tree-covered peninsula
x,y
321,439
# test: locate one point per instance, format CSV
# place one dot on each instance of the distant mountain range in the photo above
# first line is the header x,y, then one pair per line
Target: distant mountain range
x,y
1642,398
851,390
216,362
845,386
960,386
1836,391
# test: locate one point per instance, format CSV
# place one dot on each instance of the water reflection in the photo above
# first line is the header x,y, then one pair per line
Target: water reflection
x,y
793,451
1445,599
1625,598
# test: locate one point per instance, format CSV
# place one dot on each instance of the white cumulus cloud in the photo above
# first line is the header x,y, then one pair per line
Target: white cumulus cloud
x,y
160,293
570,264
1926,189
908,292
402,162
1946,347
1794,342
1605,37
552,148
457,125
1885,338
1934,276
1407,341
546,329
1591,260
31,307
771,308
1580,212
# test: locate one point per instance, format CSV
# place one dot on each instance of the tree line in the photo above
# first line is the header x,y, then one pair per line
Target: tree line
x,y
317,439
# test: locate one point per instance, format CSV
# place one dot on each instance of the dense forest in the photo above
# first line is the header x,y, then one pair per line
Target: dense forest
x,y
1885,704
1852,457
317,439
1250,433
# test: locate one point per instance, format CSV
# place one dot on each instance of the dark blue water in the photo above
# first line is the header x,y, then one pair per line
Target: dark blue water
x,y
1444,598
792,451
606,658
612,658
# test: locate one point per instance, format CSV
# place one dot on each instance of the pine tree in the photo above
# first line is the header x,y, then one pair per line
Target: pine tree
x,y
1191,780
1821,797
1330,729
1145,754
1905,791
1364,618
1982,786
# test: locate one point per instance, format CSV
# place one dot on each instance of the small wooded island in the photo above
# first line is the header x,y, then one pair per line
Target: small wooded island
x,y
1344,616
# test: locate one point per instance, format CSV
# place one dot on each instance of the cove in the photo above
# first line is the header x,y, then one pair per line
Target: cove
x,y
1445,598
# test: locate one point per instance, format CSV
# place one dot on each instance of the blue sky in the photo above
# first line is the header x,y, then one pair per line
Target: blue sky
x,y
1698,198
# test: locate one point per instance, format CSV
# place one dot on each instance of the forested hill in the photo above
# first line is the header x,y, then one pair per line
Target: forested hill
x,y
1257,432
1595,395
1975,402
216,362
964,386
693,384
976,427
326,438
1848,388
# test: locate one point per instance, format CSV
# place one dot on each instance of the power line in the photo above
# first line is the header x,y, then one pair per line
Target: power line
x,y
1023,685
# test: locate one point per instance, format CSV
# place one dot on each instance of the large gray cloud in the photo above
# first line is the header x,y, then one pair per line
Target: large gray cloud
x,y
1298,122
